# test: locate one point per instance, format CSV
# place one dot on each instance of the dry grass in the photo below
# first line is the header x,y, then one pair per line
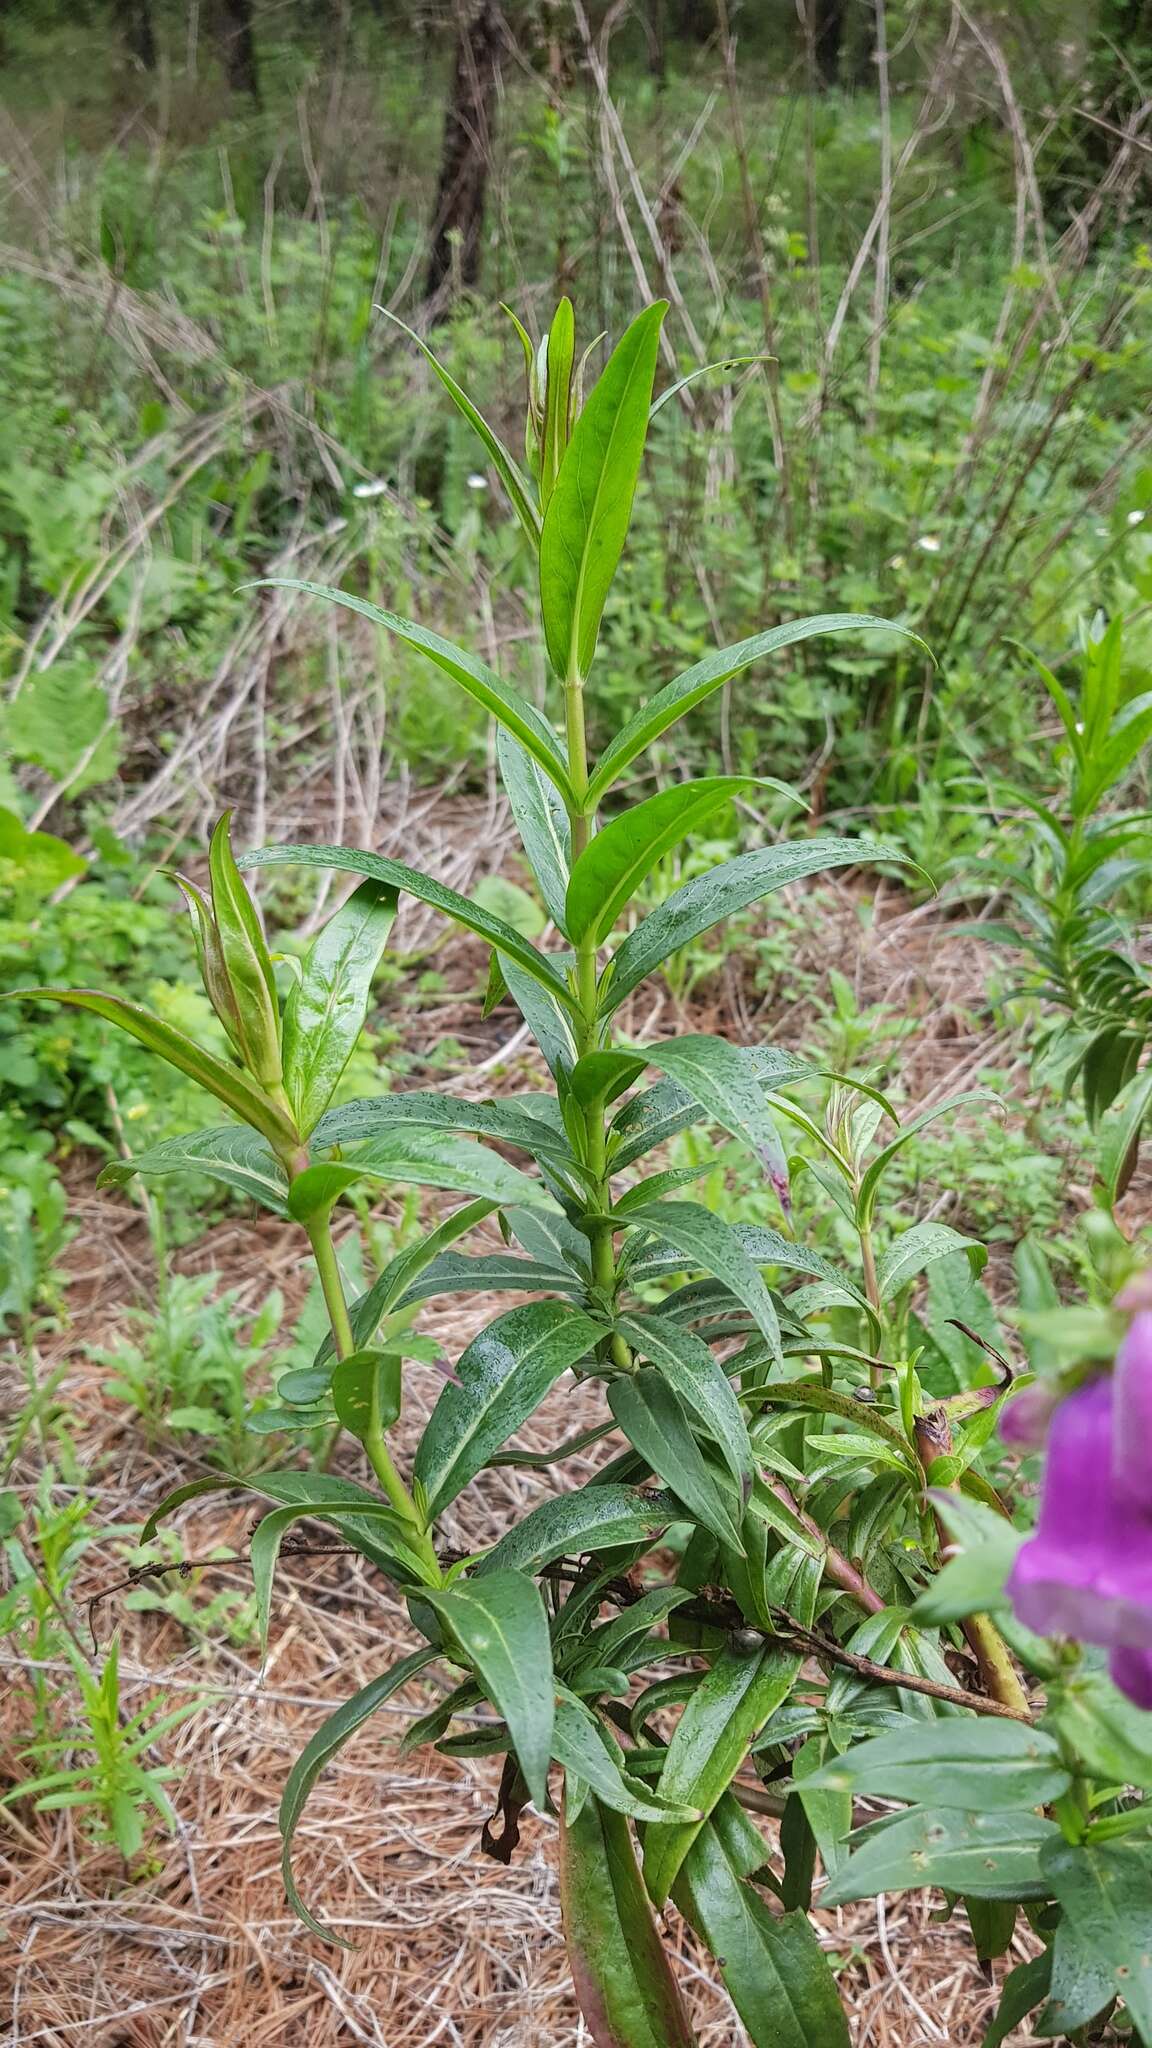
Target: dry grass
x,y
200,1950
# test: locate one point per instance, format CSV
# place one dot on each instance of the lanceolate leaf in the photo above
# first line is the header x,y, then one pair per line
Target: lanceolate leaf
x,y
995,1766
416,1158
625,1987
616,861
722,1080
503,1376
541,821
709,675
710,1245
351,860
239,1157
225,1082
325,1011
594,1519
649,1413
507,469
498,698
723,1716
1105,1889
709,898
319,1750
268,1537
990,1855
688,1365
776,1973
917,1248
420,1109
591,505
491,1272
870,1184
580,1744
499,1621
659,1113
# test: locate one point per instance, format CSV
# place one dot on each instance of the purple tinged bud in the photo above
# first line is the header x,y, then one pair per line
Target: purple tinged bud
x,y
1024,1420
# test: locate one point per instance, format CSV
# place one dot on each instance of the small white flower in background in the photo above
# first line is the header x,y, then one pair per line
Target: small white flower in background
x,y
476,482
375,489
1136,518
929,544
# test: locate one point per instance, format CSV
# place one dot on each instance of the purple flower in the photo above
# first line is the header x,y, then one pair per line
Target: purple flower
x,y
1025,1419
1087,1571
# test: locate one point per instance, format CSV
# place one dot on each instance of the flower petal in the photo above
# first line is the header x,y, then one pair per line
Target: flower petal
x,y
1132,1415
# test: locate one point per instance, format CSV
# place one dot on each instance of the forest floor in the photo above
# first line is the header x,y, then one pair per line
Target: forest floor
x,y
448,1947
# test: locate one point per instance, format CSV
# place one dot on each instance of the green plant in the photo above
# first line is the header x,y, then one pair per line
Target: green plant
x,y
117,1782
1074,885
811,1479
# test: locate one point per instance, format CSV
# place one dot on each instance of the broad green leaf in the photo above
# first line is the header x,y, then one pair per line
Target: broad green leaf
x,y
712,1738
481,683
1082,1983
688,1365
662,1111
225,1082
709,675
541,821
710,1245
348,860
232,1153
593,1519
402,1272
33,864
708,899
972,1581
546,1018
1120,1133
591,505
620,1972
906,1257
649,1413
325,1011
512,477
366,1391
619,856
581,1744
319,1750
993,1765
491,1272
500,1623
353,1123
1105,1889
722,1080
267,1538
413,1157
775,1971
829,1814
602,1076
502,1377
990,1855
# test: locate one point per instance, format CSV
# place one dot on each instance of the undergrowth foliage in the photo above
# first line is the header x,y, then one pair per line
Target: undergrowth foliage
x,y
794,1571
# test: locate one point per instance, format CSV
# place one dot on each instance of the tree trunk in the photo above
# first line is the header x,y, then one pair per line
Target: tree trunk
x,y
139,34
827,40
469,132
238,46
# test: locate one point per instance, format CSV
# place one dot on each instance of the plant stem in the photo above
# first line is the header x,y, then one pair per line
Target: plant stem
x,y
379,1456
602,1253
